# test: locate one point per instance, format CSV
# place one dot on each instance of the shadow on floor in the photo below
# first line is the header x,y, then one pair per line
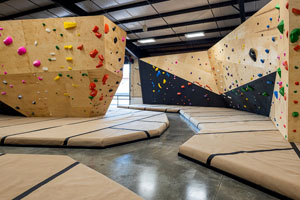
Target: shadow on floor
x,y
152,169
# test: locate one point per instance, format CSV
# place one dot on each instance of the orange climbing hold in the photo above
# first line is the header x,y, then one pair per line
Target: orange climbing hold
x,y
296,11
93,53
182,86
189,83
80,47
101,57
178,93
98,35
285,64
106,28
100,64
95,29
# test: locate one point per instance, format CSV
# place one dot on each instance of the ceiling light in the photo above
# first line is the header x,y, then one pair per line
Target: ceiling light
x,y
193,35
150,40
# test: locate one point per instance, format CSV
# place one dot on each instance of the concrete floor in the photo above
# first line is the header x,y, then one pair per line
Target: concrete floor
x,y
153,170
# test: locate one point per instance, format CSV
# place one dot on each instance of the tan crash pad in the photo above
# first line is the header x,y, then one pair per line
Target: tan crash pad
x,y
55,177
262,157
118,126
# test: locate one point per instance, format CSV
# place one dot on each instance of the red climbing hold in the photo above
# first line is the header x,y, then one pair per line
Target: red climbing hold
x,y
296,83
285,64
101,57
178,93
93,93
93,53
104,79
297,48
182,86
95,29
189,83
80,47
98,35
287,5
296,11
101,98
287,34
106,28
295,102
92,86
100,64
294,130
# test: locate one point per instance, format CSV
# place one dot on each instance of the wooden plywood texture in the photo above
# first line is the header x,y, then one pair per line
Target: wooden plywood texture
x,y
135,80
68,81
193,67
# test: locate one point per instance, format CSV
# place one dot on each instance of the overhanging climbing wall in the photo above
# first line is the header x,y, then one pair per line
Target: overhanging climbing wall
x,y
241,66
62,66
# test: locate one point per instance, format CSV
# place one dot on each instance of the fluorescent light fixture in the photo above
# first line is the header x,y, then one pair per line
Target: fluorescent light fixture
x,y
193,35
150,40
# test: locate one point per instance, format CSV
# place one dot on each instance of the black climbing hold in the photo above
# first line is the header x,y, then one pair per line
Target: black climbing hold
x,y
252,54
114,28
115,40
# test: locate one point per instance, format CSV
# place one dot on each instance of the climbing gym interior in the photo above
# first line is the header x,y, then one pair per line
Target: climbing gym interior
x,y
150,99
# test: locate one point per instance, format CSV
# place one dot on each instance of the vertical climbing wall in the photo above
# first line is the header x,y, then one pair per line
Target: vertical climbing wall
x,y
162,87
60,67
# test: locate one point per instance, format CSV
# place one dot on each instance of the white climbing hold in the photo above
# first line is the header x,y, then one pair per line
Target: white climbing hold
x,y
48,30
52,59
52,54
45,69
35,43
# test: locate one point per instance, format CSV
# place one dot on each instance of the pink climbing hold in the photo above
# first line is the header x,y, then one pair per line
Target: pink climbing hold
x,y
11,86
7,41
1,29
36,63
40,78
23,81
3,93
22,50
5,73
123,39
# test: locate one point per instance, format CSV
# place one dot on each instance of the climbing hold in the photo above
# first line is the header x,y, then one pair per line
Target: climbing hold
x,y
189,83
281,27
20,97
23,81
262,60
295,114
68,47
267,51
93,93
40,78
296,11
277,6
287,5
182,86
98,35
100,64
106,28
276,94
252,54
269,82
95,29
250,88
69,58
56,78
164,81
285,64
265,94
93,53
104,79
294,35
297,83
52,54
115,40
123,39
3,93
47,30
7,41
80,47
101,57
57,47
178,93
259,75
45,69
68,25
295,102
36,63
70,68
21,51
281,91
159,85
279,72
273,39
297,48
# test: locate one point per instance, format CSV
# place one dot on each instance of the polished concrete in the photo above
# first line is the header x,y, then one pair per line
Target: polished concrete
x,y
153,170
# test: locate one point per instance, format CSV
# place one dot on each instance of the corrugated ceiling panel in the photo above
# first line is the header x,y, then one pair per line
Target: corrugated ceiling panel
x,y
189,17
155,33
172,5
141,11
61,12
21,5
197,27
88,6
7,10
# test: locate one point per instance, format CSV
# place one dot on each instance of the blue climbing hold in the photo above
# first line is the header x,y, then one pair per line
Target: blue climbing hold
x,y
268,26
271,18
259,75
273,39
269,82
276,94
267,51
158,73
262,60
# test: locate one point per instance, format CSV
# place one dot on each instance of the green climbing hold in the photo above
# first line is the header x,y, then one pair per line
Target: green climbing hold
x,y
91,97
57,47
294,35
295,114
68,75
54,29
281,26
295,91
281,91
250,88
60,74
44,24
279,72
84,74
243,89
49,59
61,35
95,80
265,94
277,7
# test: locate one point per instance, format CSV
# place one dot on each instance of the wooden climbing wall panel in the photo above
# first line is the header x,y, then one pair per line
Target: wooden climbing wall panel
x,y
135,80
230,58
193,67
62,66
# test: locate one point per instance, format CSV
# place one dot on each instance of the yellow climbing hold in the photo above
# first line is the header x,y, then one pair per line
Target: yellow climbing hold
x,y
251,78
164,81
66,94
156,69
74,85
57,78
153,90
62,67
70,68
163,72
69,58
245,106
68,25
68,46
159,85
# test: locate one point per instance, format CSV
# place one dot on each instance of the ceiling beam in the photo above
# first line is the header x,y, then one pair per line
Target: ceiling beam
x,y
134,50
184,11
71,7
185,43
228,28
242,10
28,12
221,18
127,6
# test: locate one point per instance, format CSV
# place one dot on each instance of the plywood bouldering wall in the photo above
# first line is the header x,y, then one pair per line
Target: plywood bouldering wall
x,y
193,67
135,82
62,66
